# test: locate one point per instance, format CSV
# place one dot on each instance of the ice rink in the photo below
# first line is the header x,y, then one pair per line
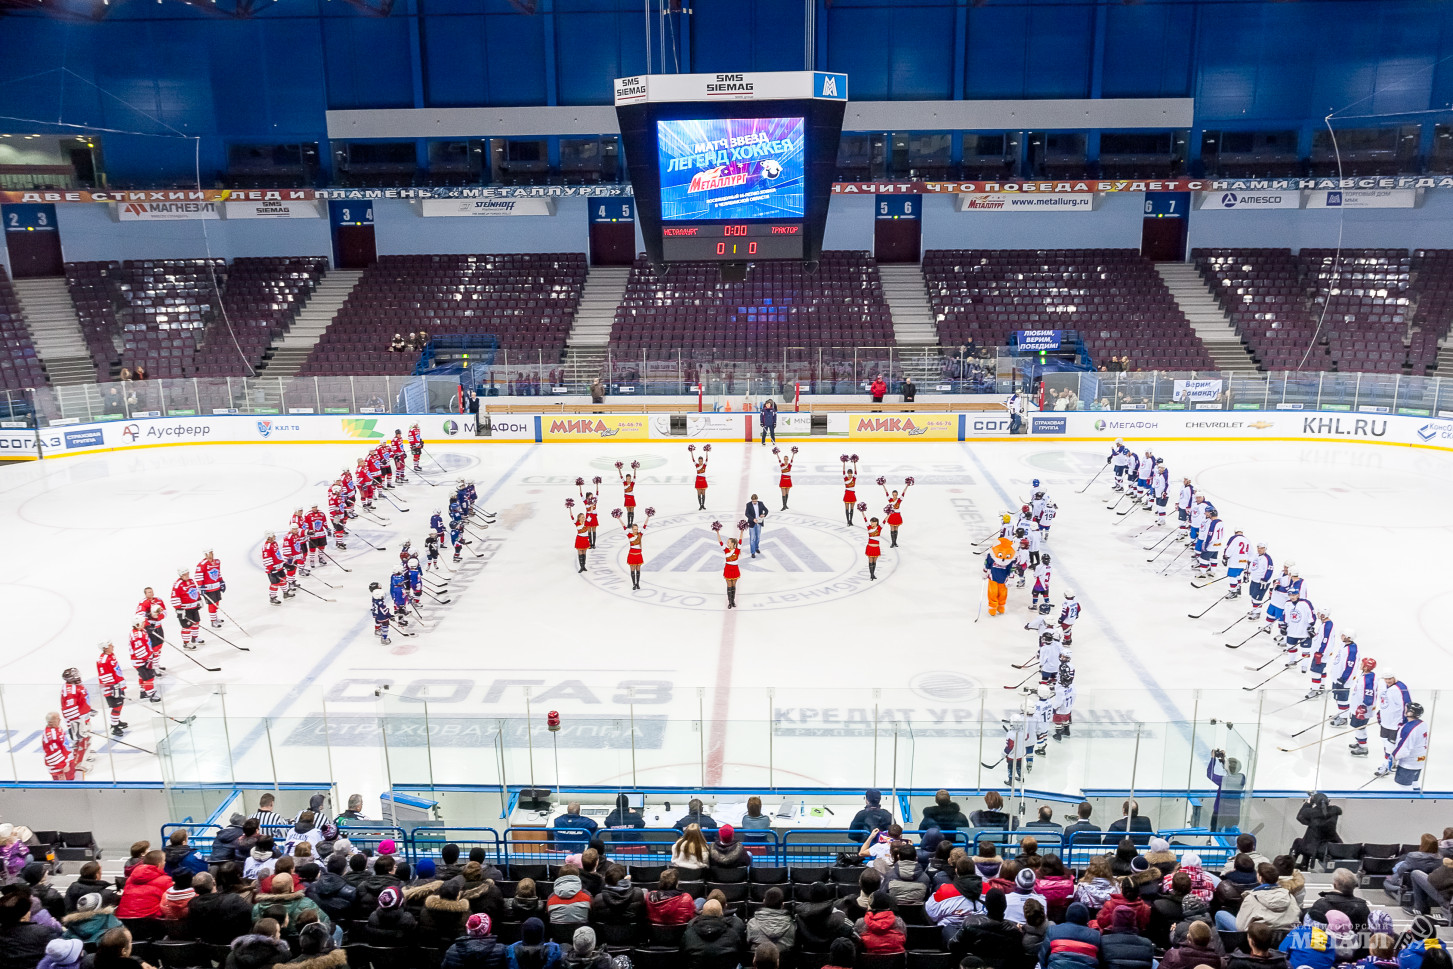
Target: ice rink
x,y
819,678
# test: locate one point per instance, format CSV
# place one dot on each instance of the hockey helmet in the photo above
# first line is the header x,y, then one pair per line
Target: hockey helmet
x,y
378,593
1413,710
1024,508
71,675
104,645
1119,442
1044,558
372,586
399,570
269,537
1024,543
413,561
1290,567
1046,637
1349,633
1368,664
1045,691
183,573
1039,494
1066,674
1034,483
1005,518
1294,573
335,490
1069,594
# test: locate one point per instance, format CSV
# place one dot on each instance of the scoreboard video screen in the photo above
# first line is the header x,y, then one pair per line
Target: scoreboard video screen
x,y
730,168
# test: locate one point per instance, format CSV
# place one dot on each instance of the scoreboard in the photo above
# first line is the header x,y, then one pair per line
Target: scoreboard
x,y
732,168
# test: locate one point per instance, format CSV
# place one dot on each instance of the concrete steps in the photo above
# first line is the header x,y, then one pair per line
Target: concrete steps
x,y
914,332
1206,317
56,332
587,344
288,354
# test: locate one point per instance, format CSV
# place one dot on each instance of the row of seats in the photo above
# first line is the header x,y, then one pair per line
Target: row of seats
x,y
19,365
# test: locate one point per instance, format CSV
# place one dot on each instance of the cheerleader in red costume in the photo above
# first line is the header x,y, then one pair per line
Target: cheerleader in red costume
x,y
700,473
592,520
634,535
895,504
850,484
582,531
874,549
628,485
785,465
732,549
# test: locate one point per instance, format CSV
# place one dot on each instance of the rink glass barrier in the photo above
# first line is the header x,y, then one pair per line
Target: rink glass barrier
x,y
935,374
1121,741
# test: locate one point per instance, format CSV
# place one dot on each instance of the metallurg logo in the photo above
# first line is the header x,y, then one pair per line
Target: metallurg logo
x,y
805,561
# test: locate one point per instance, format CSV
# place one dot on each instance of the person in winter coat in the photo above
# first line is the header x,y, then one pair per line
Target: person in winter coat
x,y
1260,952
1203,883
1072,944
1320,816
284,894
62,954
476,948
1193,910
881,932
773,923
991,815
1167,908
1122,946
583,953
727,851
261,948
391,923
1314,947
369,890
856,907
1096,884
1123,859
1126,896
712,940
878,388
145,887
526,904
1268,902
570,904
174,903
1435,887
1056,885
179,854
1036,926
690,850
818,921
333,896
444,915
950,904
36,877
1196,952
871,817
943,814
91,919
532,951
259,859
90,882
481,892
619,911
22,941
996,940
905,881
14,853
316,949
1159,855
226,844
987,862
214,916
1343,898
1425,859
1024,885
667,905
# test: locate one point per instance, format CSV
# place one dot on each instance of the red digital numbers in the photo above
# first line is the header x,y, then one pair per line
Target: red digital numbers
x,y
751,248
721,248
734,230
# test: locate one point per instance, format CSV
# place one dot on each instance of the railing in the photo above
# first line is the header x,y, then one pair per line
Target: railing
x,y
1284,390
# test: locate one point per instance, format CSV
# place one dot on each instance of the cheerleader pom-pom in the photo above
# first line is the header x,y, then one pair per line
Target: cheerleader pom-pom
x,y
843,458
569,502
596,481
635,465
882,481
650,512
887,509
580,482
705,448
863,506
615,513
853,458
794,449
621,464
776,450
691,448
716,526
907,482
742,525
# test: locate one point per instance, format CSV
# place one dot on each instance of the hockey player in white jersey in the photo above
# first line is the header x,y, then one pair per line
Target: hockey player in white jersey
x,y
1197,519
1069,614
1021,558
1046,520
1301,616
1049,658
1018,746
1159,492
1410,752
1389,709
1043,717
1236,558
1132,476
1064,697
1325,652
1031,532
1260,573
1143,492
1184,499
1119,460
1213,537
1039,595
1038,500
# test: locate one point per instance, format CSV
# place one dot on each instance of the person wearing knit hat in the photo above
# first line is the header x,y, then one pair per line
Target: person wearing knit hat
x,y
1024,890
583,953
476,949
727,851
387,847
62,954
425,870
478,926
390,898
317,950
882,932
391,924
1123,946
533,951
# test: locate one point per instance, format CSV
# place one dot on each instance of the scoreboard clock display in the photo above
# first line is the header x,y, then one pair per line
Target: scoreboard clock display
x,y
732,241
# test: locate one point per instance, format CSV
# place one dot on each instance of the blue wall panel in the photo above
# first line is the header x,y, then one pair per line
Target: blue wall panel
x,y
368,62
745,35
1148,51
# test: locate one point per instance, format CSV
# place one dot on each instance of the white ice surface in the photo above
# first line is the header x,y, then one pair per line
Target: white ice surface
x,y
814,646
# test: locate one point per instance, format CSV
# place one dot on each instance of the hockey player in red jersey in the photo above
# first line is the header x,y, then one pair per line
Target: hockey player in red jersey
x,y
57,750
152,611
276,569
317,532
113,687
367,486
295,552
350,492
187,601
416,445
76,709
385,470
338,516
398,453
143,658
208,575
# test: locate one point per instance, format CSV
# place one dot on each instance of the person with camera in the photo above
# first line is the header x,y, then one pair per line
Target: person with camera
x,y
1225,773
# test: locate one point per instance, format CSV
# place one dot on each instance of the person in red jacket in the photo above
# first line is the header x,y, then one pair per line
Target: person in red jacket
x,y
878,388
881,932
145,887
666,905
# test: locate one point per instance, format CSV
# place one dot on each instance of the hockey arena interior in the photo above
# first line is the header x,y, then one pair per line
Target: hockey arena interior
x,y
872,484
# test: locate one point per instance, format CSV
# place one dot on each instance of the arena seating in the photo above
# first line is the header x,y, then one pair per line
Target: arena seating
x,y
688,307
527,300
19,366
166,315
1380,310
1113,297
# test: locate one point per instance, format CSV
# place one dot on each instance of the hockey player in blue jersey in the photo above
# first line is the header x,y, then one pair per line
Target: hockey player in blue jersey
x,y
436,522
456,537
398,592
380,611
415,576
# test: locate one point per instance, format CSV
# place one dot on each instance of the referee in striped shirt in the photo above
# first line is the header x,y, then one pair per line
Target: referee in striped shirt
x,y
267,817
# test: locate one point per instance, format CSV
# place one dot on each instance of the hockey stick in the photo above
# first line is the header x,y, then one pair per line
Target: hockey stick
x,y
1183,551
185,722
1304,699
1133,507
376,548
1087,487
993,765
1116,504
1268,679
188,655
385,522
1032,661
332,561
1032,674
1315,723
394,503
1316,743
1162,551
1202,585
303,588
245,649
1222,632
436,598
1197,615
231,620
430,455
982,596
1375,777
1257,669
322,580
116,740
419,616
1259,631
1146,529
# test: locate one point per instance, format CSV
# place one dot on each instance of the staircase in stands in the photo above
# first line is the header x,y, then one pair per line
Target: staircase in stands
x,y
1206,317
55,330
914,334
587,346
288,354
